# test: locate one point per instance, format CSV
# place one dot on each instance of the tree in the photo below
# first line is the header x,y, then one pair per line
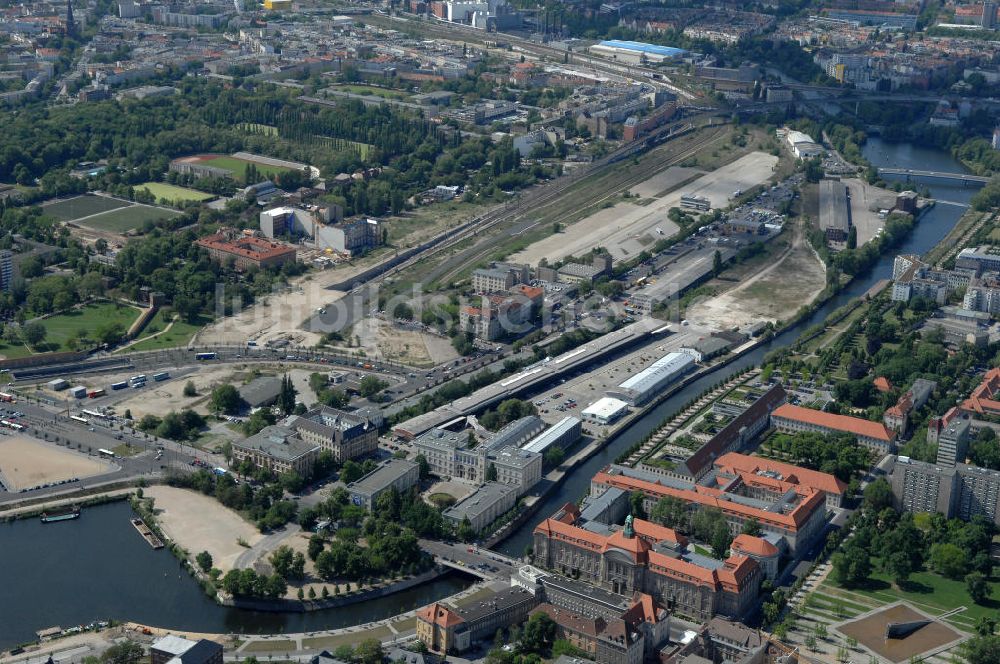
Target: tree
x,y
982,650
978,587
371,385
316,544
671,512
636,501
465,531
190,390
752,527
369,651
538,634
852,238
425,466
986,625
948,560
351,472
286,396
878,496
126,652
33,333
204,560
281,561
852,565
717,263
226,399
721,539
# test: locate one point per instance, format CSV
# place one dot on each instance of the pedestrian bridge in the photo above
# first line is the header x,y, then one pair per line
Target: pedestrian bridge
x,y
936,175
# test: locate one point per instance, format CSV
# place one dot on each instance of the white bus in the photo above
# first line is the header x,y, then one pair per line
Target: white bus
x,y
11,425
77,418
94,413
106,453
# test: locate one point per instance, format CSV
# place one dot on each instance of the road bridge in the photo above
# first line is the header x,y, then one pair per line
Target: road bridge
x,y
964,178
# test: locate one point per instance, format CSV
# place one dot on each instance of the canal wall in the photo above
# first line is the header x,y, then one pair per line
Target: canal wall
x,y
294,605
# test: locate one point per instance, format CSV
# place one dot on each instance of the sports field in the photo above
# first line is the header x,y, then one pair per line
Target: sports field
x,y
127,219
173,193
238,166
26,462
88,319
83,206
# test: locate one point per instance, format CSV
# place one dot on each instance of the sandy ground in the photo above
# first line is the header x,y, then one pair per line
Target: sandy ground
x,y
627,229
381,340
160,398
27,462
200,523
865,203
793,280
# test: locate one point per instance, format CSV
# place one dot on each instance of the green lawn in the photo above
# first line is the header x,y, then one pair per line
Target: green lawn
x,y
82,206
930,592
127,219
13,351
238,167
89,319
173,193
178,335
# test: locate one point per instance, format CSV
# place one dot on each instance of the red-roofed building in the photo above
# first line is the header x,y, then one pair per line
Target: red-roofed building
x,y
766,554
983,400
876,436
649,559
834,488
437,626
246,250
882,384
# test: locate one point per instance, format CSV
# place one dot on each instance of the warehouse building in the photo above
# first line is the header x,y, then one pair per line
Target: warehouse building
x,y
605,410
649,382
563,434
636,52
834,210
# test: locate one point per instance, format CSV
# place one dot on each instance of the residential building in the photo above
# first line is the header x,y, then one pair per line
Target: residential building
x,y
499,278
346,435
897,417
6,269
980,259
484,506
276,448
172,649
325,226
246,251
961,491
497,316
445,630
983,294
611,641
647,558
395,474
789,418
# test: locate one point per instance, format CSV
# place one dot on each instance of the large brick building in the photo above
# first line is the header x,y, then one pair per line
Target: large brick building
x,y
647,558
789,418
246,251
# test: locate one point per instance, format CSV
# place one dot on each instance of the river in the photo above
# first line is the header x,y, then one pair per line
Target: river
x,y
97,567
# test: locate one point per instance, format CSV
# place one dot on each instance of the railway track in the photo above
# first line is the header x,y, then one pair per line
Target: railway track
x,y
632,178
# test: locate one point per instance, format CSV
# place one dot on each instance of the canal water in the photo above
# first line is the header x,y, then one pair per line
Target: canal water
x,y
932,227
97,567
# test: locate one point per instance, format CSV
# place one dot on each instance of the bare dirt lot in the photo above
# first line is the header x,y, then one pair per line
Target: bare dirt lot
x,y
776,292
200,523
380,340
627,229
866,201
26,462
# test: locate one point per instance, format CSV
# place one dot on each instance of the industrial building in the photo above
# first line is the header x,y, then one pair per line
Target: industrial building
x,y
325,226
635,52
398,474
605,410
562,434
834,210
649,382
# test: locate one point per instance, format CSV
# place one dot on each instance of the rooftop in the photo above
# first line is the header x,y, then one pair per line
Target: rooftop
x,y
845,423
383,476
542,441
250,247
278,442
